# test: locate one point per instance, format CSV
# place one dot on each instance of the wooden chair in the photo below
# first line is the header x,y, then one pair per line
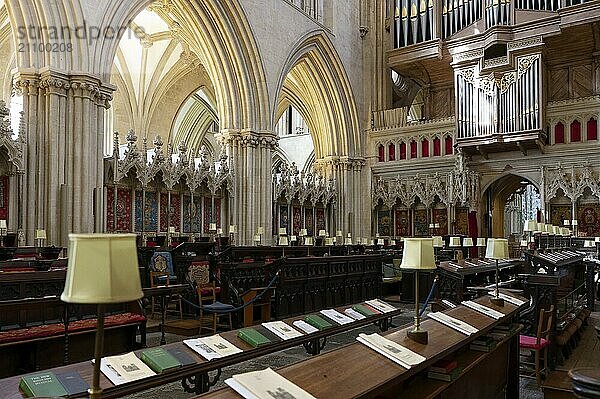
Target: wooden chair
x,y
210,307
539,343
162,279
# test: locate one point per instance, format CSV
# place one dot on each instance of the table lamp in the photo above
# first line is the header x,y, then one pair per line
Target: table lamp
x,y
566,222
232,232
480,244
259,232
40,236
468,242
103,269
530,227
257,239
303,233
418,255
308,241
574,223
455,241
497,248
283,241
589,244
322,233
348,240
380,241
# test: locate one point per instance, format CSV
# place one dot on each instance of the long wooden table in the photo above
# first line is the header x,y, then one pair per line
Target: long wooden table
x,y
195,377
356,371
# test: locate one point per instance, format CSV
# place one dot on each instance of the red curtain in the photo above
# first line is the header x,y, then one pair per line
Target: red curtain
x,y
449,145
381,153
392,151
402,150
592,129
473,232
575,131
425,148
413,149
437,147
559,133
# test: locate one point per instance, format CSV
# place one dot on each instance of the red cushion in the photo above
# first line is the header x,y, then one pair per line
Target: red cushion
x,y
23,334
208,292
528,342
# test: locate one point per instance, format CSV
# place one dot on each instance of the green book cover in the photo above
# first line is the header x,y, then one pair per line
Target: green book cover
x,y
317,321
159,359
363,310
252,337
42,385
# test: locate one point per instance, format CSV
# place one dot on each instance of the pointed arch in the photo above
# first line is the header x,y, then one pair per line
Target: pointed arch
x,y
314,81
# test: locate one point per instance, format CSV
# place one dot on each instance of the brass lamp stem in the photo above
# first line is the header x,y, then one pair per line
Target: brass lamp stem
x,y
96,392
417,317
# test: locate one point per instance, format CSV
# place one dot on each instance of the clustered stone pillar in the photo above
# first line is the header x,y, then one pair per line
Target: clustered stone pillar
x,y
64,132
352,186
250,154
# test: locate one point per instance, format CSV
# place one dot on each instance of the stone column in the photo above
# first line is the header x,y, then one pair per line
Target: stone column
x,y
250,154
64,131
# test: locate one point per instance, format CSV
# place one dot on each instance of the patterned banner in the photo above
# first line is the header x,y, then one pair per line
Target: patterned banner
x,y
123,209
589,220
192,214
175,211
297,220
284,217
384,223
320,215
560,213
150,213
462,221
402,223
421,224
308,215
4,190
440,216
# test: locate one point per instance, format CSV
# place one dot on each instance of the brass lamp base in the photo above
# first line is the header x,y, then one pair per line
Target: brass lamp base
x,y
418,336
497,301
95,393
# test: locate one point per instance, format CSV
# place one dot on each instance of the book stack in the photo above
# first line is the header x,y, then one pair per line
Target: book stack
x,y
483,344
503,331
444,370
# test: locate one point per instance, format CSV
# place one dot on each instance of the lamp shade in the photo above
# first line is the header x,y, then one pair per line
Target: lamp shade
x,y
232,229
103,268
339,233
348,241
3,224
574,222
556,231
431,226
349,235
564,231
220,231
303,232
380,241
438,241
455,241
540,228
566,222
282,231
322,233
257,238
530,225
41,235
497,248
293,239
260,230
597,239
524,243
329,242
308,241
212,227
283,241
589,244
418,254
481,242
468,242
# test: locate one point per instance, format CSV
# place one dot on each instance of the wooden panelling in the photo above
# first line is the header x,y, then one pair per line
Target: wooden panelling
x,y
581,81
558,84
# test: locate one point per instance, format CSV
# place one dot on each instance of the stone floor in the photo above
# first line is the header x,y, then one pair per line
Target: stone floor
x,y
528,390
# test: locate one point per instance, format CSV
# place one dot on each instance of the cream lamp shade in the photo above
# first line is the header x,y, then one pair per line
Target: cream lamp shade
x,y
349,235
171,230
544,228
481,242
530,225
212,227
393,243
293,239
283,241
589,244
468,242
540,228
329,242
257,238
339,233
348,241
260,230
41,235
232,229
438,241
455,241
431,225
436,225
3,224
380,241
566,222
574,222
322,233
597,239
303,232
103,268
334,239
497,248
556,231
308,241
220,231
282,231
418,254
524,243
